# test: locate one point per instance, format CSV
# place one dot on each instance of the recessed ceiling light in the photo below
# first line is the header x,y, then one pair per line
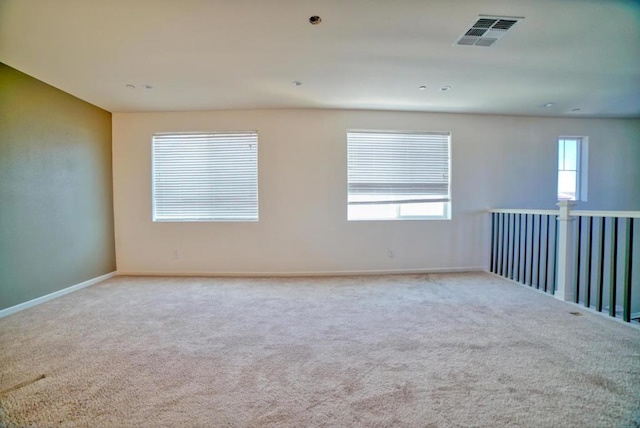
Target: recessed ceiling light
x,y
445,88
148,87
547,105
422,88
297,83
315,20
130,86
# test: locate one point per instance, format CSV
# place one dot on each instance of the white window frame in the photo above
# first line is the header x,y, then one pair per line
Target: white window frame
x,y
431,178
581,163
204,176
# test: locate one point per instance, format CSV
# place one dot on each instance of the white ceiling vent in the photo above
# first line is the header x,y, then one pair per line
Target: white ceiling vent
x,y
486,30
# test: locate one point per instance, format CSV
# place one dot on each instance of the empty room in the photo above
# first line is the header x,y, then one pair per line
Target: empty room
x,y
320,213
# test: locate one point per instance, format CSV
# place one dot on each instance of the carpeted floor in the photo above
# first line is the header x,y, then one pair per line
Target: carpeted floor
x,y
449,350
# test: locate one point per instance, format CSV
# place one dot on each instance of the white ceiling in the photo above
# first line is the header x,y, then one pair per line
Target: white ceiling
x,y
366,54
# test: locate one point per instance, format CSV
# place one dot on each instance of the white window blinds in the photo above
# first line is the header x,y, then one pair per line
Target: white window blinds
x,y
205,177
397,167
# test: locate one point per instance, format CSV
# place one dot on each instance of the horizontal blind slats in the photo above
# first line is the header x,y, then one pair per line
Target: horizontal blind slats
x,y
208,176
397,166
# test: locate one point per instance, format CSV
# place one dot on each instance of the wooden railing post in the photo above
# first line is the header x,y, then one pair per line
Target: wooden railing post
x,y
566,252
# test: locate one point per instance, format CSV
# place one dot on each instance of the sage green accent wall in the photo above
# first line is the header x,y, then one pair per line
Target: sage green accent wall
x,y
56,199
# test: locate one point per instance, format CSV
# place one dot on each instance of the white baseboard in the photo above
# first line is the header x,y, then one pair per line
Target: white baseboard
x,y
302,273
55,294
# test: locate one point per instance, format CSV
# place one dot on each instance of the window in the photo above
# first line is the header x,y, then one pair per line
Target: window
x,y
398,175
205,177
572,180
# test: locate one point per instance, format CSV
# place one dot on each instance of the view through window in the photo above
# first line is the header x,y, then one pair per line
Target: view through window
x,y
569,168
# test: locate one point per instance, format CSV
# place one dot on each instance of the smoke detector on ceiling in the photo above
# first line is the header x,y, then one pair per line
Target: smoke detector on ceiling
x,y
486,30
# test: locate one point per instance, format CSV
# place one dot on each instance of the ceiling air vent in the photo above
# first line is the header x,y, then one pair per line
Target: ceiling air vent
x,y
486,30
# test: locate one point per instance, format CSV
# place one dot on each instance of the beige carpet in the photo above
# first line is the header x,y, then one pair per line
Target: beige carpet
x,y
456,350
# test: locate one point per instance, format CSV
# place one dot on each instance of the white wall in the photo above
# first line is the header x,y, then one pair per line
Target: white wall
x,y
497,162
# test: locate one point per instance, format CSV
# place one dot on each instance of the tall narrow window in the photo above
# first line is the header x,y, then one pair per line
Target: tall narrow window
x,y
205,176
571,168
398,175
